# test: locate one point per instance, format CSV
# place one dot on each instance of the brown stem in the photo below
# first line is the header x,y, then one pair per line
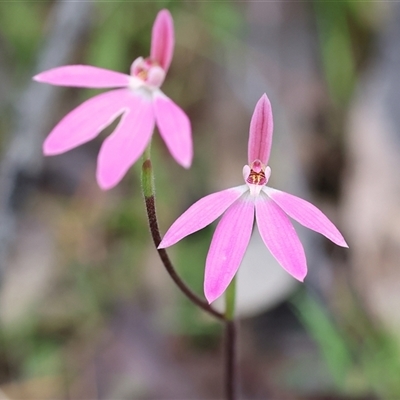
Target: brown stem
x,y
230,360
230,335
155,233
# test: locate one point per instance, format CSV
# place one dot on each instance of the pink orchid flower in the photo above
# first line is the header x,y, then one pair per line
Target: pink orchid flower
x,y
140,102
270,207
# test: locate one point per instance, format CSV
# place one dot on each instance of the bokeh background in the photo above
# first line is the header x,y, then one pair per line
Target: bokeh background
x,y
86,308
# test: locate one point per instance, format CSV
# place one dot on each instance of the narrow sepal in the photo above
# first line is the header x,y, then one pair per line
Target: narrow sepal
x,y
83,76
175,129
306,214
280,237
228,246
127,143
162,39
261,129
86,121
201,214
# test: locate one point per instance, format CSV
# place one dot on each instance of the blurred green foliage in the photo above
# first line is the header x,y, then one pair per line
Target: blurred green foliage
x,y
344,29
327,335
22,29
361,357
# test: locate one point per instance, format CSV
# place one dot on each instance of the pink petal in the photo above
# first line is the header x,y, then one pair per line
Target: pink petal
x,y
175,129
228,246
261,128
280,237
162,39
201,214
83,76
127,143
306,214
86,121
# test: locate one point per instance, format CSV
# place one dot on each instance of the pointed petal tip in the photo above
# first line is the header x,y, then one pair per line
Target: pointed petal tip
x,y
40,77
104,182
186,163
263,104
301,278
342,243
49,150
103,185
167,241
162,245
335,236
264,98
184,160
213,289
46,152
164,13
210,296
299,275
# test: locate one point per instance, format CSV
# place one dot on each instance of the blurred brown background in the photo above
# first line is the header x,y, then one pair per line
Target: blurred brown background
x,y
86,309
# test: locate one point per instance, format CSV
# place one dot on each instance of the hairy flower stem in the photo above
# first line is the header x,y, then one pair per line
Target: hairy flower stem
x,y
149,197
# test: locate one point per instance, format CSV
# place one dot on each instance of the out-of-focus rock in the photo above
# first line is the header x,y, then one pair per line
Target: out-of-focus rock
x,y
372,186
29,273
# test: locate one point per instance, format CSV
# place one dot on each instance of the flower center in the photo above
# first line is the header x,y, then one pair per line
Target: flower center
x,y
148,72
257,174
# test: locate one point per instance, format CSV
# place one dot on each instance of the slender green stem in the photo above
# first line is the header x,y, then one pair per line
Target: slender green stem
x,y
148,189
230,298
230,341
